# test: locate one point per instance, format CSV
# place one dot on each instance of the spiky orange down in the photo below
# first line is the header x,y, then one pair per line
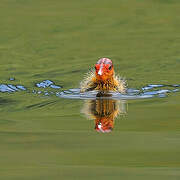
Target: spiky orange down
x,y
113,84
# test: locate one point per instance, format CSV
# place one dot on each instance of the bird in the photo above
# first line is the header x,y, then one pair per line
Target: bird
x,y
103,78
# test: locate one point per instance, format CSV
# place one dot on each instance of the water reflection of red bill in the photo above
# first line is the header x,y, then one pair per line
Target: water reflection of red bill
x,y
104,124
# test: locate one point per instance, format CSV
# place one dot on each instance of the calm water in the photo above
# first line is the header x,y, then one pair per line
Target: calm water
x,y
50,131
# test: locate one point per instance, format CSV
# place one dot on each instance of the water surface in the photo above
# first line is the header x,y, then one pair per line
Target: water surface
x,y
45,136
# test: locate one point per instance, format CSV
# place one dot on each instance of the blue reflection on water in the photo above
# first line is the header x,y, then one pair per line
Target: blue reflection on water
x,y
44,88
47,83
11,88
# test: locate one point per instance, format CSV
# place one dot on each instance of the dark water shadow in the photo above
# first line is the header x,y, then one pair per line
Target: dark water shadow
x,y
4,101
40,105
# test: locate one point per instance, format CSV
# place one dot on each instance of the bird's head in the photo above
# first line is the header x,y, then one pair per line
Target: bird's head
x,y
104,69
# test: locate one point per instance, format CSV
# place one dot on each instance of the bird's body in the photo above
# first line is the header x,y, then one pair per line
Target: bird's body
x,y
103,78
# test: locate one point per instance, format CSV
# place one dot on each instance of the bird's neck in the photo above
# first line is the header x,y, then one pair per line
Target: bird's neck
x,y
106,85
107,81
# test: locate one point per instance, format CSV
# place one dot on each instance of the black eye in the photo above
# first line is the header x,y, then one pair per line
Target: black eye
x,y
95,68
110,67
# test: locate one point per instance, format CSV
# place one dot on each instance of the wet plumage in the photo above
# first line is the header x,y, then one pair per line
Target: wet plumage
x,y
103,78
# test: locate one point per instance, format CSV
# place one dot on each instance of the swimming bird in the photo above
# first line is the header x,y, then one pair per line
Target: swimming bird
x,y
103,78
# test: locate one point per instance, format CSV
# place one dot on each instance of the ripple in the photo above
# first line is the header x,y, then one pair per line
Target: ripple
x,y
47,83
149,91
11,88
44,88
98,95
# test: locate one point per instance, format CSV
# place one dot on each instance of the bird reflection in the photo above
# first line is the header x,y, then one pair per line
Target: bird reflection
x,y
104,112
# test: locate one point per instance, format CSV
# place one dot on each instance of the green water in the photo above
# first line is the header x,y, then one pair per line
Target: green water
x,y
47,137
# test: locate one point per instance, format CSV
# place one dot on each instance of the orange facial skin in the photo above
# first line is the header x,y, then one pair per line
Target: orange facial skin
x,y
104,71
